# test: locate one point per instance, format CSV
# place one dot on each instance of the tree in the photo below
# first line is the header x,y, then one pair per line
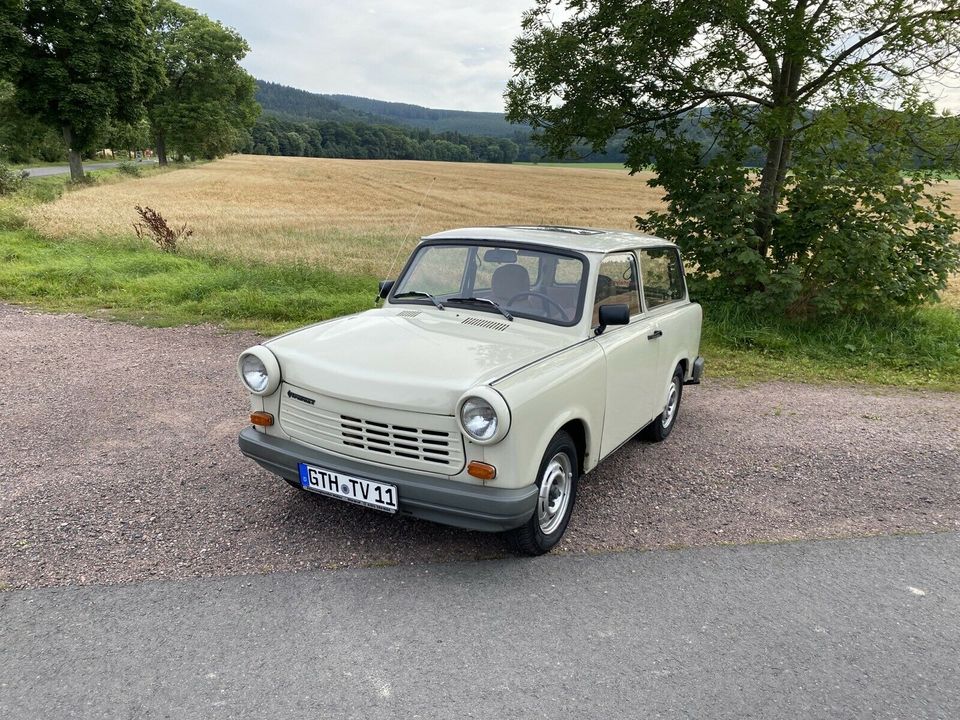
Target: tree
x,y
12,42
127,136
207,103
77,63
828,95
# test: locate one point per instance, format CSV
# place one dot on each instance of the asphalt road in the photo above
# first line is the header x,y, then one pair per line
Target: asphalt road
x,y
64,169
863,628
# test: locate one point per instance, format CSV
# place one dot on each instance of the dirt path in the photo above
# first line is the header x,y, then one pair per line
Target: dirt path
x,y
118,462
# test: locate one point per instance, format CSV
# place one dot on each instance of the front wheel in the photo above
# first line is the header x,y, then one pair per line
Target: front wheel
x,y
557,490
660,428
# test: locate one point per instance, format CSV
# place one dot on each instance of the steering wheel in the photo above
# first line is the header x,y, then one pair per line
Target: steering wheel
x,y
548,304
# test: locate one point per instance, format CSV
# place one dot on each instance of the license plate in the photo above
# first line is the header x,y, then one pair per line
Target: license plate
x,y
368,493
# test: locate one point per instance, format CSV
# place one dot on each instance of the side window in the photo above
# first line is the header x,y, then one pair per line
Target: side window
x,y
568,271
662,276
616,284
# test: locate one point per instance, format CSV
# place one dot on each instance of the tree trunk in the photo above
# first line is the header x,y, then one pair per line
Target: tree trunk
x,y
769,192
161,147
76,164
778,148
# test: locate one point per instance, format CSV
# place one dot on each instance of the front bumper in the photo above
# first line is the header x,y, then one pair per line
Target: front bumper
x,y
473,507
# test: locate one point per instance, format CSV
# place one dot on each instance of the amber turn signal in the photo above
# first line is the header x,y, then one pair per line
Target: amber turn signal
x,y
481,470
263,419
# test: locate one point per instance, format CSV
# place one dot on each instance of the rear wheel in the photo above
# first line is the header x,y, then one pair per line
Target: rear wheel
x,y
557,491
660,428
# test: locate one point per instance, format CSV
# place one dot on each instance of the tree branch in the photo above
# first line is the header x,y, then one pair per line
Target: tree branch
x,y
828,74
768,54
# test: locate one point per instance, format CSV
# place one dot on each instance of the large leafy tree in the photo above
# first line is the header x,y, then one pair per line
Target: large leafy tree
x,y
77,63
11,37
23,137
831,96
207,104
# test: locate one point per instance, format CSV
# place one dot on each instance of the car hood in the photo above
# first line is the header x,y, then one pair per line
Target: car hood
x,y
421,360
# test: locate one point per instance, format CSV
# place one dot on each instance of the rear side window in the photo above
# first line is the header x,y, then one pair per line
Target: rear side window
x,y
662,276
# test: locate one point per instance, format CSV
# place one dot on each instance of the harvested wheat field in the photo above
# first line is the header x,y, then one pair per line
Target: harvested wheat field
x,y
346,215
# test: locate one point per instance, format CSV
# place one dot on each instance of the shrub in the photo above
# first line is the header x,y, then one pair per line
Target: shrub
x,y
126,167
11,180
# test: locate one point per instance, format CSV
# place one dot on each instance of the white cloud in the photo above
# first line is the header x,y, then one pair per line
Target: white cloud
x,y
454,54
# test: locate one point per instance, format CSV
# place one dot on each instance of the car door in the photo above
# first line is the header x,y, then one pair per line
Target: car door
x,y
630,352
665,299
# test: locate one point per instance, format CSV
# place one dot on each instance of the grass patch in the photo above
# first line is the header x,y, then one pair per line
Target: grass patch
x,y
136,283
580,165
918,349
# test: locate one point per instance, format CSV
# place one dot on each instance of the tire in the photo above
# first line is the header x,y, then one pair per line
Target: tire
x,y
662,425
560,471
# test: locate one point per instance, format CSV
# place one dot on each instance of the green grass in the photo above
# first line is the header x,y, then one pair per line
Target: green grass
x,y
918,349
581,165
62,163
137,283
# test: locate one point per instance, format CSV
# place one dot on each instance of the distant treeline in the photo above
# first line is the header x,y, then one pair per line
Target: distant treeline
x,y
273,135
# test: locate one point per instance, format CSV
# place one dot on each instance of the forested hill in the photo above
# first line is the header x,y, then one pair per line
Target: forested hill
x,y
473,123
294,103
297,122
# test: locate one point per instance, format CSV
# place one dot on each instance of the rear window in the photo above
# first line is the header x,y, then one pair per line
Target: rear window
x,y
662,275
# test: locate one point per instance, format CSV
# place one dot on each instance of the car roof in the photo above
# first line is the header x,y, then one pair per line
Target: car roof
x,y
570,238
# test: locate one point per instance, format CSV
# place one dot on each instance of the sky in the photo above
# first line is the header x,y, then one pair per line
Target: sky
x,y
449,54
453,54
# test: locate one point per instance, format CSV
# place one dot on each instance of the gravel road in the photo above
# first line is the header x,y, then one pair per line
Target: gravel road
x,y
118,462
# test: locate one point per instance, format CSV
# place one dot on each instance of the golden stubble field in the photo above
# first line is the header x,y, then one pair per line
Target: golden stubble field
x,y
347,215
354,216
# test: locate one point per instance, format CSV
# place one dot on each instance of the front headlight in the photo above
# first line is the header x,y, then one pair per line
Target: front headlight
x,y
254,373
484,415
259,370
479,418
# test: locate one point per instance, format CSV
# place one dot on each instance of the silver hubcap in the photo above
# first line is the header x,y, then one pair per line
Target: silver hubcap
x,y
554,493
670,410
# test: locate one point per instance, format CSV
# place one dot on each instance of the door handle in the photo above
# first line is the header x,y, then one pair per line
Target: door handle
x,y
655,335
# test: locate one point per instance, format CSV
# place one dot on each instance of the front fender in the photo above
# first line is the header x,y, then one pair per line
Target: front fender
x,y
543,398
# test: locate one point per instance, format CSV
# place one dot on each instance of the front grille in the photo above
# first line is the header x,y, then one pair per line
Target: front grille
x,y
418,441
431,446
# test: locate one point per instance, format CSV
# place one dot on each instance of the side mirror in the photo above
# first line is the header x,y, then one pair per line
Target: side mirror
x,y
614,314
385,287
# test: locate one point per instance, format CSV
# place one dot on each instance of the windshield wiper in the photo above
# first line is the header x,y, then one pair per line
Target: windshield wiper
x,y
420,293
486,301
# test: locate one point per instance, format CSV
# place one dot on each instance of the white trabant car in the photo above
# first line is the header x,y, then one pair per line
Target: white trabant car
x,y
504,364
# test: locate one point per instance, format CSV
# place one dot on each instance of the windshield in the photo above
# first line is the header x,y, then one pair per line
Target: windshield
x,y
526,282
